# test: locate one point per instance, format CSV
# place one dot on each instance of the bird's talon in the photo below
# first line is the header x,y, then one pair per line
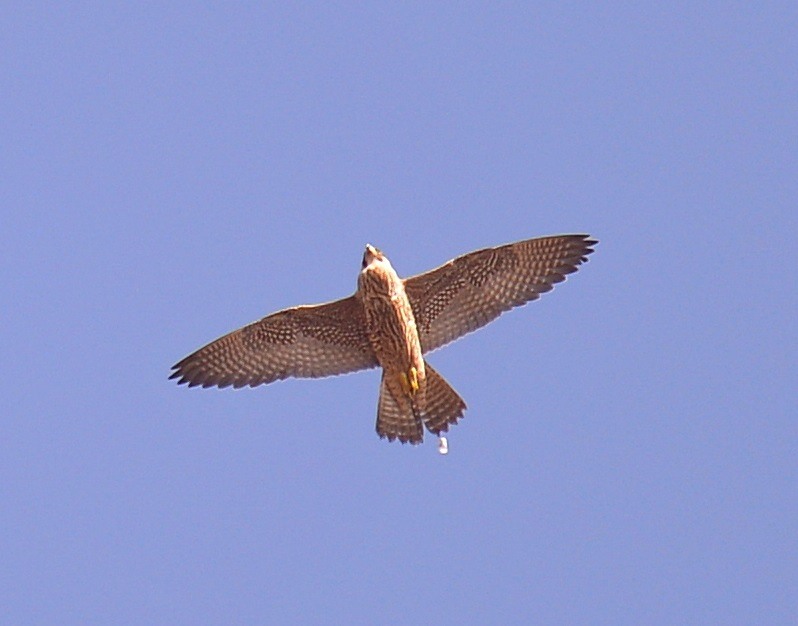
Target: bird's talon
x,y
413,376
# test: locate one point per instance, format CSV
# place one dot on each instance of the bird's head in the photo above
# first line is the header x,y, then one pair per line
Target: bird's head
x,y
372,255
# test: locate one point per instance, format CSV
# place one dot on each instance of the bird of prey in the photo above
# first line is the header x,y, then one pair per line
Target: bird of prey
x,y
392,323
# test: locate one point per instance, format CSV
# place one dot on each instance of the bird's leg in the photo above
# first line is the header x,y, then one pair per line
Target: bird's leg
x,y
409,381
413,377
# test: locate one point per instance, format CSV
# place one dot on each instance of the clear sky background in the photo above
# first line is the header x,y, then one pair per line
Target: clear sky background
x,y
173,171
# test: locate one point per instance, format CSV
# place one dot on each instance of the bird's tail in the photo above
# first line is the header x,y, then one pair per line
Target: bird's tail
x,y
397,415
442,404
400,416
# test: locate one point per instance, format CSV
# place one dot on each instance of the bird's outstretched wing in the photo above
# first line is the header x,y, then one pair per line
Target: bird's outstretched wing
x,y
472,290
305,341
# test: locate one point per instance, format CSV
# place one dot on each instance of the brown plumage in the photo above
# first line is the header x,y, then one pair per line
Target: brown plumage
x,y
392,323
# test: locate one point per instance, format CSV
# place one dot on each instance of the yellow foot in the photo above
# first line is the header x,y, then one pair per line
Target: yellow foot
x,y
413,376
409,381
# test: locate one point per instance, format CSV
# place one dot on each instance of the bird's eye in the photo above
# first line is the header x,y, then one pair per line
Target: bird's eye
x,y
363,265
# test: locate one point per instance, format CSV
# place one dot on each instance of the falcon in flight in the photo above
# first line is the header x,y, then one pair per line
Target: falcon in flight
x,y
392,323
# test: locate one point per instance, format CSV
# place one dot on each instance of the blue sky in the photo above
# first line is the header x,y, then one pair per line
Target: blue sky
x,y
172,172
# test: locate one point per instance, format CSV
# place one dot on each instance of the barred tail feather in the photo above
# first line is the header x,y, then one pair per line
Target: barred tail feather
x,y
397,417
442,404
